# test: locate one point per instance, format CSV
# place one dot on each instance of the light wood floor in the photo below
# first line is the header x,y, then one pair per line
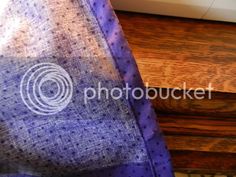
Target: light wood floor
x,y
170,51
201,134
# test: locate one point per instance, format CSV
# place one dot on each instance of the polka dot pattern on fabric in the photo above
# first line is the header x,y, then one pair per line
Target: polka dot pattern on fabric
x,y
100,137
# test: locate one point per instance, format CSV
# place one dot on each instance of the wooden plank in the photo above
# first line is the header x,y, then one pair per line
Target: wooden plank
x,y
220,105
198,126
171,51
198,143
204,162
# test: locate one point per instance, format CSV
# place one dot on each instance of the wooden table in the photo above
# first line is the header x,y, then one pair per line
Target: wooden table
x,y
201,134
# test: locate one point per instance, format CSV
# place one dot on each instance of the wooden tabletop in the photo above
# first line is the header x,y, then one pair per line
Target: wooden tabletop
x,y
170,51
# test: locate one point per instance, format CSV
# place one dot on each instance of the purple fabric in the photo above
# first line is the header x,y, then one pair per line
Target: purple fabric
x,y
81,43
160,161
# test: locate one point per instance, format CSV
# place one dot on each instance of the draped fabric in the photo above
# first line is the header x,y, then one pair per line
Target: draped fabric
x,y
53,53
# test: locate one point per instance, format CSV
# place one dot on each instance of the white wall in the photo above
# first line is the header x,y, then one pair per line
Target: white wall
x,y
224,10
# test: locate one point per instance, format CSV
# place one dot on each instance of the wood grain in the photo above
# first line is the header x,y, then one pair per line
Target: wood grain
x,y
199,143
201,134
219,105
170,51
204,162
198,126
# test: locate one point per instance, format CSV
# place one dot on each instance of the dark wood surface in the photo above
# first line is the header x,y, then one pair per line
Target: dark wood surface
x,y
201,134
204,162
170,51
198,126
221,105
201,143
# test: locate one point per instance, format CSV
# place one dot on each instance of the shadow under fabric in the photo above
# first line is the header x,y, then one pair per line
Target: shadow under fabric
x,y
101,137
